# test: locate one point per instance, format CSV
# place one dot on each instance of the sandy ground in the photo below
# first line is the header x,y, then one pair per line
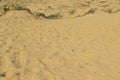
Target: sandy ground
x,y
71,48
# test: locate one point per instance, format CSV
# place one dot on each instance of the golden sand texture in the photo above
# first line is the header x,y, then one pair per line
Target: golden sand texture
x,y
81,48
84,48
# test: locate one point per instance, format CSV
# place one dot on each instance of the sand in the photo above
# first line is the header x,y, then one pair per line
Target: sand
x,y
63,47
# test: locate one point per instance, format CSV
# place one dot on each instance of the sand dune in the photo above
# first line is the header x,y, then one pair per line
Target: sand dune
x,y
70,48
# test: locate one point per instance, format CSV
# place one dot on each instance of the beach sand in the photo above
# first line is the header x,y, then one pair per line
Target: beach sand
x,y
62,46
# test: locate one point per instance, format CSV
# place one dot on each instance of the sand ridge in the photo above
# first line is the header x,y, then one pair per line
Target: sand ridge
x,y
60,9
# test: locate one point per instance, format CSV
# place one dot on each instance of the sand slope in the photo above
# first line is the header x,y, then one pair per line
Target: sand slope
x,y
81,48
84,48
